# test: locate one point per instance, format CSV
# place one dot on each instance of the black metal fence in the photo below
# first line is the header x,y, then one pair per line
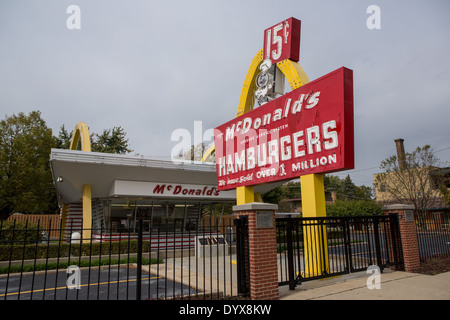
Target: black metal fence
x,y
433,235
97,264
313,248
181,263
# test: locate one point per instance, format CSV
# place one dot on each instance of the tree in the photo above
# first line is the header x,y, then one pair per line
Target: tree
x,y
291,190
25,177
411,182
273,196
332,184
345,188
110,141
63,139
26,184
445,194
363,192
348,188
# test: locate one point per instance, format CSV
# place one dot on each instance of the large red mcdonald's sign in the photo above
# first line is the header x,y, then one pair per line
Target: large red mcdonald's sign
x,y
308,130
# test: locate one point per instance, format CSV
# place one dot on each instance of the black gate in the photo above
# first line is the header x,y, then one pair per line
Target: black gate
x,y
242,255
313,248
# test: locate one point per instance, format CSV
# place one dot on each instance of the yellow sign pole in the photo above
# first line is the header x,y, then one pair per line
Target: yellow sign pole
x,y
245,195
314,234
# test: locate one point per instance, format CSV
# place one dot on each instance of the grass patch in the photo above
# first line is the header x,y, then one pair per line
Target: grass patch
x,y
81,264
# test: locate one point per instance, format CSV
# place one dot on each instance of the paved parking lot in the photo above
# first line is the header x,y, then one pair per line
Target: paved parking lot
x,y
95,284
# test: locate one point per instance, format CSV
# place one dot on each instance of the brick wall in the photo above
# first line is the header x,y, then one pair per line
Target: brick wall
x,y
262,252
408,235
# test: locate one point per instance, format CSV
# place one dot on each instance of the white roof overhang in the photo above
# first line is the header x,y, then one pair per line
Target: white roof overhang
x,y
73,169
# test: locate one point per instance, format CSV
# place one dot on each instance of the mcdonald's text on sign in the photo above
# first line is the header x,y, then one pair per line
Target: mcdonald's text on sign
x,y
308,130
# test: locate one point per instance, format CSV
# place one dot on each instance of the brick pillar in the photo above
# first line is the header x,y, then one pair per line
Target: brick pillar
x,y
408,234
262,249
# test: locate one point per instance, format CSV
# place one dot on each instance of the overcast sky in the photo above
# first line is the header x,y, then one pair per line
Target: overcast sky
x,y
155,66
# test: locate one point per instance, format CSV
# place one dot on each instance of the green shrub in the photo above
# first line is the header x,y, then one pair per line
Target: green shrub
x,y
20,232
353,208
82,263
63,249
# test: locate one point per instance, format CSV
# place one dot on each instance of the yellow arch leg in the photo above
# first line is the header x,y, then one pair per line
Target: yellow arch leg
x,y
81,134
245,195
314,235
87,213
312,193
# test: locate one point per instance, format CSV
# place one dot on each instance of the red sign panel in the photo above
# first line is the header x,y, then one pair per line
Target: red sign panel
x,y
308,130
282,41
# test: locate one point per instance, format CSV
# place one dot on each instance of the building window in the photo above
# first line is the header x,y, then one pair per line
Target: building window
x,y
123,215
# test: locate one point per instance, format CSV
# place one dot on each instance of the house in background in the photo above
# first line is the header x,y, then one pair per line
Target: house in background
x,y
425,185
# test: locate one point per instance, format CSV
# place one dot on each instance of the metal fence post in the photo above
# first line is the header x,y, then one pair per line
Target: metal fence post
x,y
242,255
290,250
396,241
347,245
377,243
139,261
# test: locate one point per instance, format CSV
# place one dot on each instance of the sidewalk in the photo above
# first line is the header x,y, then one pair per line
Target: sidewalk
x,y
395,285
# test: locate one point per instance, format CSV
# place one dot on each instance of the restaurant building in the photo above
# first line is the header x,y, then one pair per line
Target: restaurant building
x,y
109,193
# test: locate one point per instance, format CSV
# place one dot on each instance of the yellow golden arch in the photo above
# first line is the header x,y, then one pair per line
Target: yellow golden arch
x,y
293,72
81,136
295,76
